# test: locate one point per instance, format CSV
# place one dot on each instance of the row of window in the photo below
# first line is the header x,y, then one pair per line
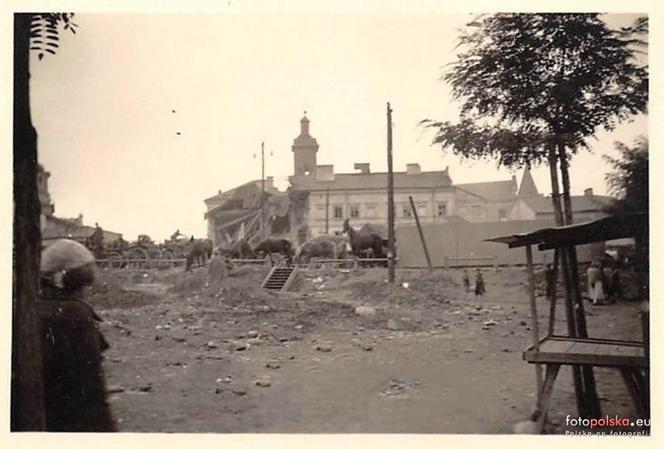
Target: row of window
x,y
370,210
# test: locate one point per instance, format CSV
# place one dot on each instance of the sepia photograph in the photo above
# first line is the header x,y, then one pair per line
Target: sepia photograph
x,y
290,219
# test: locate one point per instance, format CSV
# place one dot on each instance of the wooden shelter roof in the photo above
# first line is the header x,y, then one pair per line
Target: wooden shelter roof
x,y
603,229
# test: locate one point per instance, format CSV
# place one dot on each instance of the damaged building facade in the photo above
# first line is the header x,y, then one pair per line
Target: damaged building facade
x,y
319,200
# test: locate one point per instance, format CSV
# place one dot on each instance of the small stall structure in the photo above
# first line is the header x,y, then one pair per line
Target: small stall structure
x,y
552,351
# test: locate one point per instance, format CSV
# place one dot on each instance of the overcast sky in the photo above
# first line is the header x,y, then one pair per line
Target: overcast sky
x,y
103,108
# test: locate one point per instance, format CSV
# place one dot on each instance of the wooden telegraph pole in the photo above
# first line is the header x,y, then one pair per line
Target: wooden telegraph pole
x,y
419,229
390,199
327,211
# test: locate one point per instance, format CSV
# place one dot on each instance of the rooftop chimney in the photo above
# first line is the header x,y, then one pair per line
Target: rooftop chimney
x,y
413,169
363,167
325,172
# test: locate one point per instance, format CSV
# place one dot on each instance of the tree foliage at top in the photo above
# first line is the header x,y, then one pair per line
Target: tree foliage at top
x,y
628,181
525,80
44,31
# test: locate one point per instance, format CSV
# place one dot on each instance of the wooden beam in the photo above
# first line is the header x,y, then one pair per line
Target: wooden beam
x,y
533,313
419,229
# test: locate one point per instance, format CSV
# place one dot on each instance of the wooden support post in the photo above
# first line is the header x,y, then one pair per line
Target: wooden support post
x,y
533,313
634,386
545,399
419,229
552,305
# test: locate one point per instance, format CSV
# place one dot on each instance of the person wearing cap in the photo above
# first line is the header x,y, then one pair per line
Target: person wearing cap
x,y
74,384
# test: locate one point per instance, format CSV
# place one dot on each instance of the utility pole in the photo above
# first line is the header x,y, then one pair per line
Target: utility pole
x,y
419,229
262,231
327,211
390,199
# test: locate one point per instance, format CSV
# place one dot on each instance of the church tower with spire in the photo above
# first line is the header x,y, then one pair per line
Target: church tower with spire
x,y
527,188
304,149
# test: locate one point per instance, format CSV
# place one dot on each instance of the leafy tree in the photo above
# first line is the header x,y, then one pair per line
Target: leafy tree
x,y
528,80
533,88
38,32
628,181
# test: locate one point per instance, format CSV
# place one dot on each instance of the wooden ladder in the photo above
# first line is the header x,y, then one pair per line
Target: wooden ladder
x,y
280,278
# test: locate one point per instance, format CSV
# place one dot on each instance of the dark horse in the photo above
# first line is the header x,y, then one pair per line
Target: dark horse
x,y
280,246
364,242
197,250
239,250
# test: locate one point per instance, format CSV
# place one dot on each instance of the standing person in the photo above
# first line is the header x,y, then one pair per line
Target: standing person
x,y
466,280
550,276
595,287
479,283
74,384
616,286
607,277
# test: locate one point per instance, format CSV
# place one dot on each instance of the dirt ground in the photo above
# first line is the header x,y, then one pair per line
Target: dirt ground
x,y
188,355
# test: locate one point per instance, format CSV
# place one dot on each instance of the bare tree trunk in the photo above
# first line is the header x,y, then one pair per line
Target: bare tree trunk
x,y
569,307
590,389
27,399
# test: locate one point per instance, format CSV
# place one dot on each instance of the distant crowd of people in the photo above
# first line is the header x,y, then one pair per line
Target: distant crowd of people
x,y
479,287
604,283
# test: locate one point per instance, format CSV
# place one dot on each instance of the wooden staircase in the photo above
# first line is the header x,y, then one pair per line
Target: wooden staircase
x,y
280,278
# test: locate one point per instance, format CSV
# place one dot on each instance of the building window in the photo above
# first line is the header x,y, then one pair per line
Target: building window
x,y
354,211
442,209
338,212
422,209
407,211
502,215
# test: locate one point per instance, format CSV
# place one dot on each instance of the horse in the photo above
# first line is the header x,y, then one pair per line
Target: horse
x,y
281,246
361,242
239,250
198,250
327,247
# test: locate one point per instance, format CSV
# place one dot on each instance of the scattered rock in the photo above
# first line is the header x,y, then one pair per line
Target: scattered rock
x,y
273,365
252,334
393,325
241,346
324,348
211,345
114,389
179,338
239,391
365,311
263,382
523,323
525,427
